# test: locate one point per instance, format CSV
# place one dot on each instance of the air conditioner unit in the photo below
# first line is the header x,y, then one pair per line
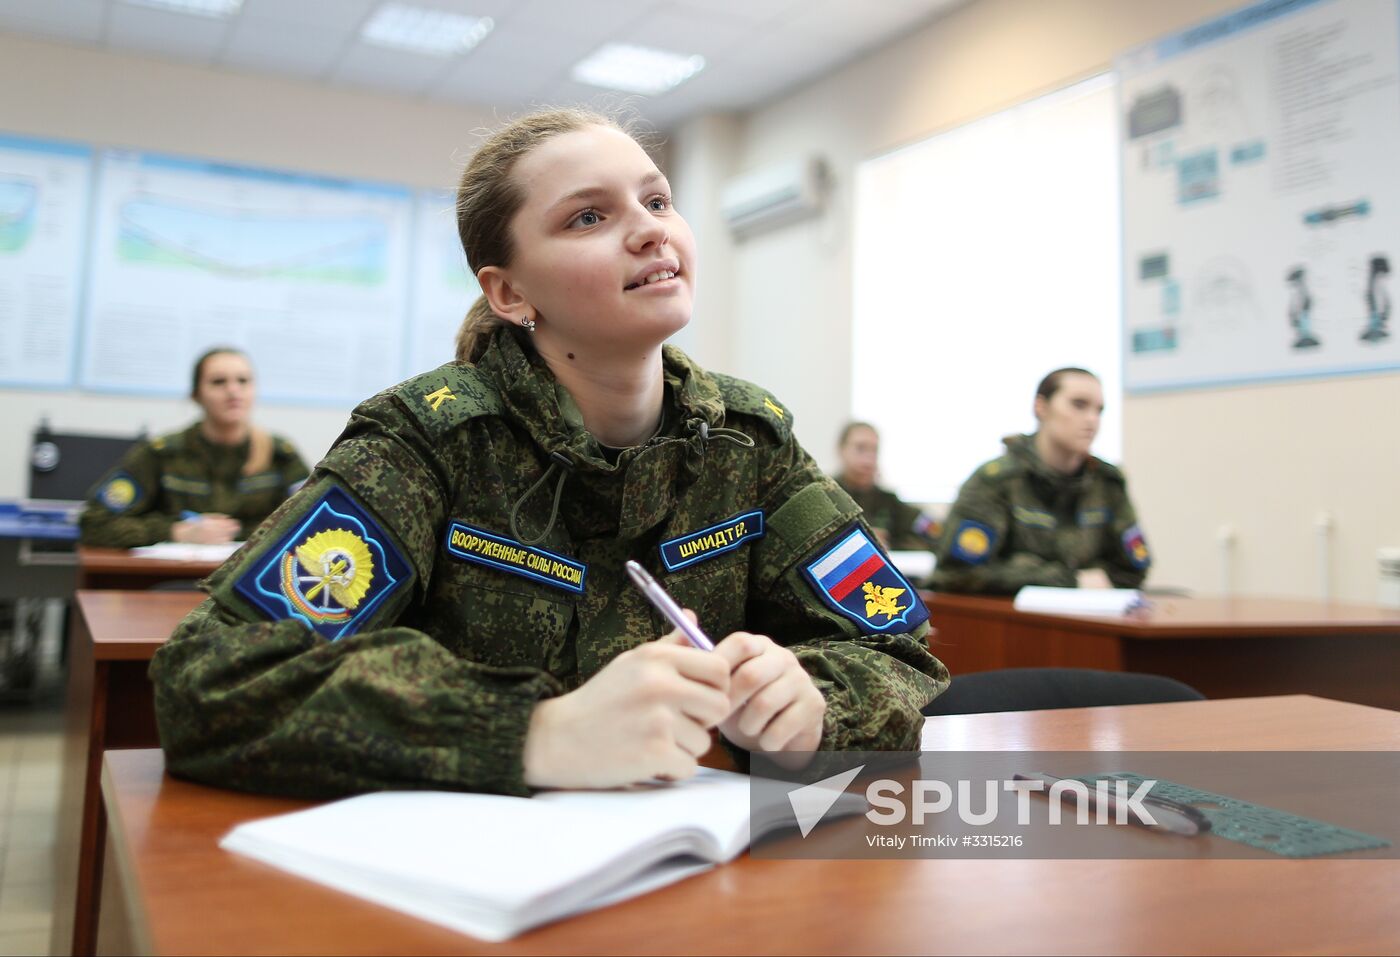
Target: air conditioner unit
x,y
774,196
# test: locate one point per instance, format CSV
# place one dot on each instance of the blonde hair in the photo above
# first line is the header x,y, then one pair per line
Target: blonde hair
x,y
488,198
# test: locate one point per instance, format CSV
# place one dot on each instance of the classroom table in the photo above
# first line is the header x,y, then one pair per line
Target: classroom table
x,y
110,705
118,568
1225,647
171,890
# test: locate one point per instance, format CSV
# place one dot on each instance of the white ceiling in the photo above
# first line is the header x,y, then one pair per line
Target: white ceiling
x,y
754,49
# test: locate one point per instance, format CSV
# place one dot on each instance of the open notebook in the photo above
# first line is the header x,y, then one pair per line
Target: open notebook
x,y
1079,601
493,866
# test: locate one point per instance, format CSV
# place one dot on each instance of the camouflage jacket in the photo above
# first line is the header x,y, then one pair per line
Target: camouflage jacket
x,y
394,624
138,500
1019,522
906,526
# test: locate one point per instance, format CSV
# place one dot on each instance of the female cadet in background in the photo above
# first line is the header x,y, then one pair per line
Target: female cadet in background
x,y
444,604
1047,512
213,482
897,524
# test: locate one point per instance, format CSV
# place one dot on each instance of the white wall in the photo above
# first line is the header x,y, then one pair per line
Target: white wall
x,y
109,99
1266,460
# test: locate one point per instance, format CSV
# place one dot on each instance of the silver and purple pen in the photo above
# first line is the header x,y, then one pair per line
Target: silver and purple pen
x,y
665,604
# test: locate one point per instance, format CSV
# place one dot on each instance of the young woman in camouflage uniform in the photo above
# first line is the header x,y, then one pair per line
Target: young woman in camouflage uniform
x,y
1047,512
898,524
212,482
444,603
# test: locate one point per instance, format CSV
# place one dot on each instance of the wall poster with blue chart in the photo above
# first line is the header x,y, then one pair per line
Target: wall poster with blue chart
x,y
308,274
1261,201
44,192
443,285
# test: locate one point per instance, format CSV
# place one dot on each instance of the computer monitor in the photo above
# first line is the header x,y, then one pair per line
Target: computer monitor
x,y
64,466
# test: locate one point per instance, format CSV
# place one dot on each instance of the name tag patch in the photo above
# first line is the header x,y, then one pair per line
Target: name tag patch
x,y
854,578
1034,517
728,535
1093,517
186,486
503,554
331,571
260,482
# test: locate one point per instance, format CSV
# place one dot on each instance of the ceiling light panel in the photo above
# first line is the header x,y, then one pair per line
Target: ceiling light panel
x,y
217,9
400,26
636,69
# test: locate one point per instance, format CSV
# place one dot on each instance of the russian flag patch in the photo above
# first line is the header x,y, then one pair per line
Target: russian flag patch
x,y
855,579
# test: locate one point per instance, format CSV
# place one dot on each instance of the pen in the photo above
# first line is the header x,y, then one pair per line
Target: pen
x,y
667,606
188,516
1171,816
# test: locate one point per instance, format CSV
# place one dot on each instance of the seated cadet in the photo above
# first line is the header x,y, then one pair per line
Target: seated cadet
x,y
898,525
212,483
444,603
1047,512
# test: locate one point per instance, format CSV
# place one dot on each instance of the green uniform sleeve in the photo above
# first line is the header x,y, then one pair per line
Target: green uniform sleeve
x,y
874,684
122,510
972,554
1124,554
253,699
911,528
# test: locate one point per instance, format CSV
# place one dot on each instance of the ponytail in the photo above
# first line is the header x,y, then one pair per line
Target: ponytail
x,y
476,329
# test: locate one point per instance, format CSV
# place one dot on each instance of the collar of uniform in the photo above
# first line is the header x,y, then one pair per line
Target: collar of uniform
x,y
1022,447
196,439
546,409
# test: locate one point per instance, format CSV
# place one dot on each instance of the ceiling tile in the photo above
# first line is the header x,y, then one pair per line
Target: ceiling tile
x,y
862,23
686,33
392,71
337,16
598,19
495,72
285,48
743,11
77,21
179,36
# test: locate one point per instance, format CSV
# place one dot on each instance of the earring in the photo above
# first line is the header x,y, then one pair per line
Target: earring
x,y
527,324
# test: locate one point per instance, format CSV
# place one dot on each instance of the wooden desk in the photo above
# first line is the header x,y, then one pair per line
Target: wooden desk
x,y
118,568
1227,648
110,705
172,891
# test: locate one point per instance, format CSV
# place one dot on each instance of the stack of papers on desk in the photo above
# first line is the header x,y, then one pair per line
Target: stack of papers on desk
x,y
1078,601
187,551
917,566
493,866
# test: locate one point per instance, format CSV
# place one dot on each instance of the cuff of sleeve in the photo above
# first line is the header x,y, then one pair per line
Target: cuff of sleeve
x,y
494,759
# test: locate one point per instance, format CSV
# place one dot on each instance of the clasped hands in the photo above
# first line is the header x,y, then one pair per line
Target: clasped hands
x,y
648,713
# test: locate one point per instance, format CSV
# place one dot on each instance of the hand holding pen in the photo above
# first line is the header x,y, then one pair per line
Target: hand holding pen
x,y
775,706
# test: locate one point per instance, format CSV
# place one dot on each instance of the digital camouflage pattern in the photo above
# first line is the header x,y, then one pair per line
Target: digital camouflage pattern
x,y
138,500
434,688
1019,522
906,526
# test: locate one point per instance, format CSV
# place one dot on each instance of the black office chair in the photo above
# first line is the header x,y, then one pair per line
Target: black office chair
x,y
1041,689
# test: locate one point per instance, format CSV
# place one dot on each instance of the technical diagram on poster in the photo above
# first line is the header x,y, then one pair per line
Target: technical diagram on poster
x,y
308,274
1261,210
44,191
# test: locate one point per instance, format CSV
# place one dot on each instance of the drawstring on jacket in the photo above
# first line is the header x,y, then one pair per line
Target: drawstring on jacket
x,y
702,428
556,460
